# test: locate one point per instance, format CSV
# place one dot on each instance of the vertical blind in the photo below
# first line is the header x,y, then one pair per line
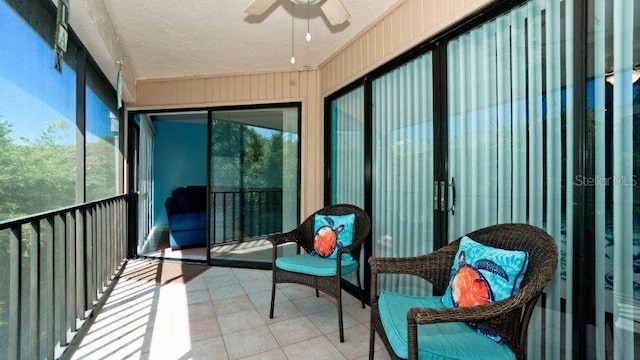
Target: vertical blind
x,y
506,115
615,98
403,144
347,154
347,148
145,179
511,150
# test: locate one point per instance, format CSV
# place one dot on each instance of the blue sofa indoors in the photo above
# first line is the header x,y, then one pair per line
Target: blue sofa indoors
x,y
187,214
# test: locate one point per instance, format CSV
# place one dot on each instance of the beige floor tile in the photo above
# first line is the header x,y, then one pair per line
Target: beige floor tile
x,y
360,314
263,298
356,342
327,321
314,304
251,275
221,280
198,296
319,348
197,311
197,283
205,328
217,272
281,312
225,292
249,342
233,304
348,299
296,292
224,314
275,354
257,286
240,320
381,354
209,349
295,330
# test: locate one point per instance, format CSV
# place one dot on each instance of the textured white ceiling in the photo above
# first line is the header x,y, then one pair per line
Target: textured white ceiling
x,y
172,38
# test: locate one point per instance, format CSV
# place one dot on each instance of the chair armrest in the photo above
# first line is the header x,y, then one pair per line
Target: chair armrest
x,y
283,238
432,267
348,249
478,313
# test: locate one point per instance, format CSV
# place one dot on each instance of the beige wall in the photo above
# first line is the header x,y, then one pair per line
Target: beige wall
x,y
405,25
274,87
399,29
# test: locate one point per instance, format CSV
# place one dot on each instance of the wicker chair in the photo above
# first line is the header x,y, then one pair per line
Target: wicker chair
x,y
330,282
508,318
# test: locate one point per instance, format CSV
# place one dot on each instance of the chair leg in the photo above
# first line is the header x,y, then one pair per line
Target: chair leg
x,y
372,341
340,317
273,295
361,292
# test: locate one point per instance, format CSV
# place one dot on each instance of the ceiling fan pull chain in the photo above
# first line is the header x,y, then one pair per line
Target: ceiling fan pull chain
x,y
308,26
293,58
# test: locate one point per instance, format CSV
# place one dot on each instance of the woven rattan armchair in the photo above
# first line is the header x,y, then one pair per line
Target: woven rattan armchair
x,y
508,318
330,281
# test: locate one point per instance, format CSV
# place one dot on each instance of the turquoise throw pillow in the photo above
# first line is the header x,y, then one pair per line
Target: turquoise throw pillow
x,y
482,274
331,232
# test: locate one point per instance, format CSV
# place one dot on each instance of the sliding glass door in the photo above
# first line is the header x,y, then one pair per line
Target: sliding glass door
x,y
254,180
529,117
510,146
402,167
347,144
613,123
347,148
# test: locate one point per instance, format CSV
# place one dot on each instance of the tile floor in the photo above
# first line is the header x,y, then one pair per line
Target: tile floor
x,y
223,313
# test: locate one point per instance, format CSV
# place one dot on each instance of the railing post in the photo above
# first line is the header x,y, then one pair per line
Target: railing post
x,y
60,226
62,277
15,291
49,298
81,276
132,206
34,289
71,268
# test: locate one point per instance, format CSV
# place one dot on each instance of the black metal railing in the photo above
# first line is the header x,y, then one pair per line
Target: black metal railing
x,y
244,214
56,267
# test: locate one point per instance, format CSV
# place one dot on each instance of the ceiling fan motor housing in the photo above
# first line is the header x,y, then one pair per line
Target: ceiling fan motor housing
x,y
305,2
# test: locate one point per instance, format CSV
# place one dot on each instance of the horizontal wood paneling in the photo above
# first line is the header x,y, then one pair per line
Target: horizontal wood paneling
x,y
273,87
404,26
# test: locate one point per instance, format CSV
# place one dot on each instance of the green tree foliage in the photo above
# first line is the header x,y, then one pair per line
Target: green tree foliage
x,y
242,156
100,175
37,174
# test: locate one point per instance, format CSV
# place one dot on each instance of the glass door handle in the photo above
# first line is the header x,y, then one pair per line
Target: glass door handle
x,y
453,196
440,203
439,187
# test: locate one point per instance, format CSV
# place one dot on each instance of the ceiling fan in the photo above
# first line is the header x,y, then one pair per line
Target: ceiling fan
x,y
334,10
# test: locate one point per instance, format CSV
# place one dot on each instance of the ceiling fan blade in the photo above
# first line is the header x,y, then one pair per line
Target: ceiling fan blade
x,y
258,7
335,12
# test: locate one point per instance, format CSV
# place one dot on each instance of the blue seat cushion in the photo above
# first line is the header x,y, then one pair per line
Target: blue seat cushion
x,y
452,340
188,221
314,265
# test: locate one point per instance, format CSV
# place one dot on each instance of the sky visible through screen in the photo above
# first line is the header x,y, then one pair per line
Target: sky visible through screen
x,y
32,93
